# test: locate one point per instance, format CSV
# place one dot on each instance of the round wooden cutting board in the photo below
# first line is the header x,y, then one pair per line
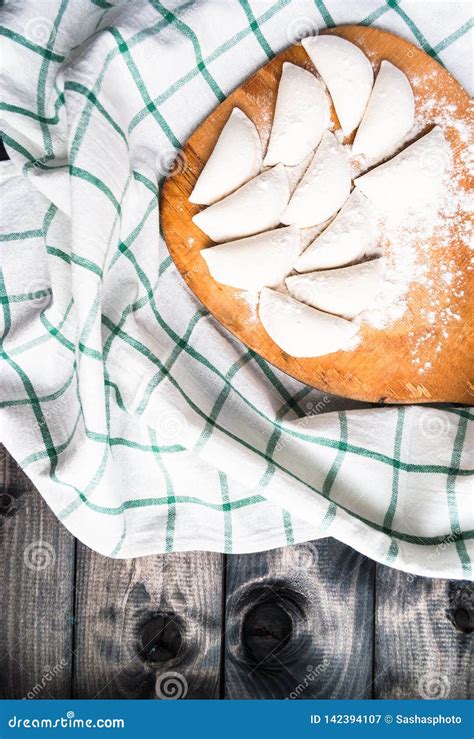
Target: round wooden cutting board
x,y
383,367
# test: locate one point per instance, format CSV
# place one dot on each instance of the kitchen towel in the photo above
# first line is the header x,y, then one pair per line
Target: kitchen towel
x,y
143,423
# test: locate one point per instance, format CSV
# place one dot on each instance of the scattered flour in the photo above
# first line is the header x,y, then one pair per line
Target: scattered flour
x,y
412,246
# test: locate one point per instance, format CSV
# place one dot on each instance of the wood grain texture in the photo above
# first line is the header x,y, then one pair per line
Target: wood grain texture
x,y
381,368
299,623
423,637
36,592
139,620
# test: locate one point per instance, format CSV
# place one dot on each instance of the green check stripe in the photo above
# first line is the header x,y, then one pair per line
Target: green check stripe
x,y
75,259
145,181
395,5
160,376
170,495
390,514
452,502
42,79
147,353
326,15
41,399
226,507
22,235
256,29
176,86
23,297
86,113
189,33
52,120
396,470
102,4
42,338
89,339
220,401
333,472
35,404
23,41
83,174
125,51
454,36
312,439
89,95
375,15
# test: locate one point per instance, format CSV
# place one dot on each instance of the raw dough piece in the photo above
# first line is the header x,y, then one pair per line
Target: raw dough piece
x,y
301,115
302,331
389,115
347,73
255,262
295,173
324,187
347,238
411,180
254,207
235,159
345,292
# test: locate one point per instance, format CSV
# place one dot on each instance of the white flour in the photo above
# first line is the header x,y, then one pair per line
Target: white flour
x,y
412,247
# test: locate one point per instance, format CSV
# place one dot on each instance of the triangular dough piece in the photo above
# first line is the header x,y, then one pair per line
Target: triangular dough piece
x,y
257,261
412,179
235,159
345,292
302,113
254,207
389,115
347,239
324,187
347,73
302,331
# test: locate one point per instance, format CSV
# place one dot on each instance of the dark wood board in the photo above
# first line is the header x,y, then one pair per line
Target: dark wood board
x,y
299,623
36,592
139,620
423,637
315,620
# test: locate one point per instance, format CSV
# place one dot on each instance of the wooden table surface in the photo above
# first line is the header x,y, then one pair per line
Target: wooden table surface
x,y
316,620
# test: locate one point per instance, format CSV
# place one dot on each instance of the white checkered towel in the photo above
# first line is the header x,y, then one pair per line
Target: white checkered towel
x,y
144,425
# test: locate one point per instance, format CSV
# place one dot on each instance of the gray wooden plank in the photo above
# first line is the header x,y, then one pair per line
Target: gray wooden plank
x,y
299,623
36,591
424,639
148,627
